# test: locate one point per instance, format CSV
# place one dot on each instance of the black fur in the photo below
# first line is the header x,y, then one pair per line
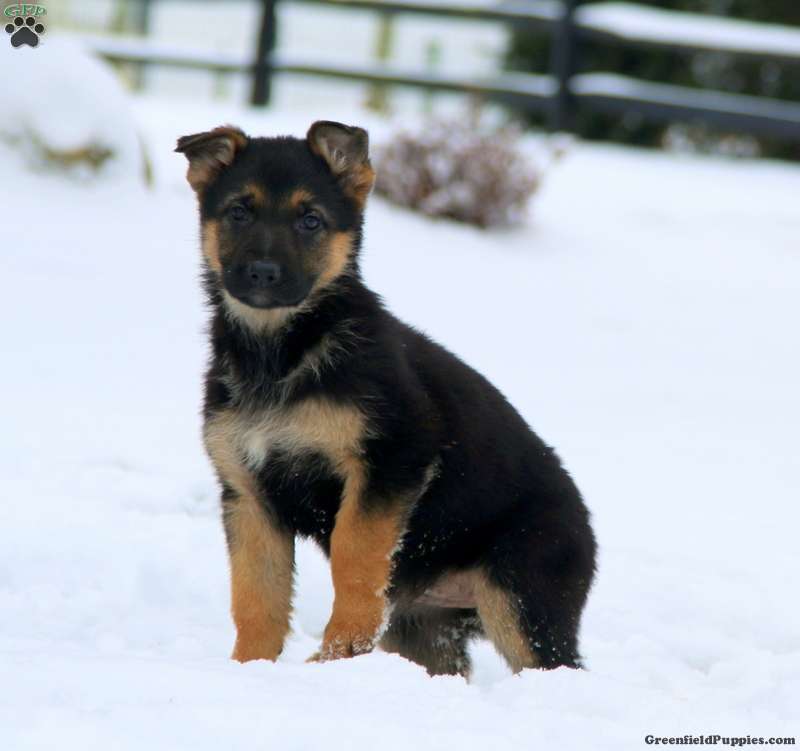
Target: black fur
x,y
499,498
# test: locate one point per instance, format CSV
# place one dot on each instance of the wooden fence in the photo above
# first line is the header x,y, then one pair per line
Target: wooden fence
x,y
559,95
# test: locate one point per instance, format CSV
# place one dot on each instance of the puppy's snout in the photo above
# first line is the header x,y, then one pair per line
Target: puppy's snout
x,y
263,274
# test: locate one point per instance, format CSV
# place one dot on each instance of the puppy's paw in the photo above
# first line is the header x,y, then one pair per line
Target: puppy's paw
x,y
341,642
246,650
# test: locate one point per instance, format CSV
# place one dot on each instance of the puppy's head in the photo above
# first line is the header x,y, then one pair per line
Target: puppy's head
x,y
280,217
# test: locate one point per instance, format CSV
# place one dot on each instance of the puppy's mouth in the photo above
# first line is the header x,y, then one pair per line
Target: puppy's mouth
x,y
254,291
262,300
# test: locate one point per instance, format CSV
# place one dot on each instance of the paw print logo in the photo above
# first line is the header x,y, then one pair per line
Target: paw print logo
x,y
25,31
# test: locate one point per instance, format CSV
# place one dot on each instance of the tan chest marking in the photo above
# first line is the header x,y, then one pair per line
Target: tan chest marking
x,y
246,441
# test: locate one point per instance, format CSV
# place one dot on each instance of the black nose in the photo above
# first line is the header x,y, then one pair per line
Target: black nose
x,y
263,274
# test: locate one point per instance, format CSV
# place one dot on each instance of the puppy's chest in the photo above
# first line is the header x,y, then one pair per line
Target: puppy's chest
x,y
255,440
297,459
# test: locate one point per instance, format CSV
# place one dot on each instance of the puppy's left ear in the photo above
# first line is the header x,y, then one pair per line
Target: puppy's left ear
x,y
210,153
345,150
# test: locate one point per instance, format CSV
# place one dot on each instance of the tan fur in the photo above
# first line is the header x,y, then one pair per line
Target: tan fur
x,y
340,249
297,199
220,436
210,243
359,183
500,621
334,430
262,574
498,615
453,590
240,442
208,153
210,230
261,555
258,194
362,546
333,261
354,171
251,191
258,320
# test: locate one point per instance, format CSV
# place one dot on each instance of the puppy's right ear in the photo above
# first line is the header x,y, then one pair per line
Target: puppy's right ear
x,y
210,153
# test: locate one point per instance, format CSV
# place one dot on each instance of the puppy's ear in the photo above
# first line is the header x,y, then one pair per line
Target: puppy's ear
x,y
210,153
345,150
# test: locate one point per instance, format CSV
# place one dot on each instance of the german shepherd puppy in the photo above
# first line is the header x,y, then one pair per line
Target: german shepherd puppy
x,y
443,515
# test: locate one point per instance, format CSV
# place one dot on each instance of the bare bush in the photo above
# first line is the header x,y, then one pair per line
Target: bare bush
x,y
460,170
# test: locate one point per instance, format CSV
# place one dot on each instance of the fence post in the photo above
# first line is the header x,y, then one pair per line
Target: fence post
x,y
378,99
563,64
135,17
262,65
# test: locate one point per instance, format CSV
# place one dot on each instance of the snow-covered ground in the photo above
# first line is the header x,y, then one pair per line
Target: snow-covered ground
x,y
661,297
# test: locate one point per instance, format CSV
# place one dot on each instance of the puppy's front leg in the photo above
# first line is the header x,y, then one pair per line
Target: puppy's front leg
x,y
262,574
260,549
363,541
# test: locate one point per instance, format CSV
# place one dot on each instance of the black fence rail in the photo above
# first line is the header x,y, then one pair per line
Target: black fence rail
x,y
560,94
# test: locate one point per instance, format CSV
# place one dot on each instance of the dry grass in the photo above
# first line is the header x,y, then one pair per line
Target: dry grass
x,y
459,169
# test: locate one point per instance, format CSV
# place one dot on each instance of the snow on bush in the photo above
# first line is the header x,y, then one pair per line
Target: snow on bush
x,y
459,169
61,110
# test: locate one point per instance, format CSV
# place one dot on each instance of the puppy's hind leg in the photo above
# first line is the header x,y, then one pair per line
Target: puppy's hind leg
x,y
530,599
436,638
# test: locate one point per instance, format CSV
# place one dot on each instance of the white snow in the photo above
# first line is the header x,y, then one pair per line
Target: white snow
x,y
63,100
636,21
659,297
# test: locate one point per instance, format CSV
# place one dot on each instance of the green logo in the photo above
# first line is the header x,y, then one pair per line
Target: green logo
x,y
26,30
24,9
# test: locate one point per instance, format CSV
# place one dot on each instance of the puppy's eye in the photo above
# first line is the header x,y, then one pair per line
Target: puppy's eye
x,y
238,213
310,222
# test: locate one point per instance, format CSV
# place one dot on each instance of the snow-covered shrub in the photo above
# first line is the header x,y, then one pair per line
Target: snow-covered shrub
x,y
700,139
63,111
459,169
